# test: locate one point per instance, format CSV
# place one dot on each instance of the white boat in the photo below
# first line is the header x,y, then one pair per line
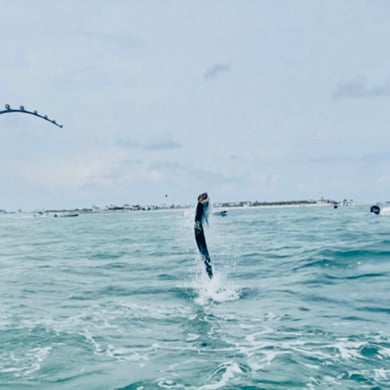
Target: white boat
x,y
380,210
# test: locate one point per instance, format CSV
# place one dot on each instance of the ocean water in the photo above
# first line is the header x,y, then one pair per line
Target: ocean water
x,y
120,301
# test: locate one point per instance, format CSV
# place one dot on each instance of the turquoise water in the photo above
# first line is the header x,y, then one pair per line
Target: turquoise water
x,y
120,301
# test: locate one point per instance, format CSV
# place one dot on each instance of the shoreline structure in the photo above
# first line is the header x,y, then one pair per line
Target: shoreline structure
x,y
218,205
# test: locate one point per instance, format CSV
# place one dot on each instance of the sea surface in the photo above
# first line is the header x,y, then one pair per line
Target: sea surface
x,y
301,300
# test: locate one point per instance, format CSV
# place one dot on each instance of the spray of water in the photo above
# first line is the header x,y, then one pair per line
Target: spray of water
x,y
218,289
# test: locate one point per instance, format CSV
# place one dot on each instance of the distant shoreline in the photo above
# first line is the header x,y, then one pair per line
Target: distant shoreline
x,y
217,206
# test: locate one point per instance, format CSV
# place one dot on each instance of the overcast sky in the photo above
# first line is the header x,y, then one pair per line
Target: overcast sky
x,y
248,100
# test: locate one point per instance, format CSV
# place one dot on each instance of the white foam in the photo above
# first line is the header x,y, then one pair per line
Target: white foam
x,y
349,349
230,369
385,352
40,355
192,337
381,373
24,364
215,290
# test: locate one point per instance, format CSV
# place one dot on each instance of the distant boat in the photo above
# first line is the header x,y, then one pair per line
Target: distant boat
x,y
66,215
70,215
221,213
376,209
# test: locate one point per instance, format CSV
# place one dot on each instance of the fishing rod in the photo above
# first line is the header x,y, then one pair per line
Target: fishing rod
x,y
22,110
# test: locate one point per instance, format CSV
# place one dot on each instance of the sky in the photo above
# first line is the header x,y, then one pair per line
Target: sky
x,y
162,100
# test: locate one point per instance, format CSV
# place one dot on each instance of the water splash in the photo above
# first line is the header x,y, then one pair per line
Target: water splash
x,y
217,289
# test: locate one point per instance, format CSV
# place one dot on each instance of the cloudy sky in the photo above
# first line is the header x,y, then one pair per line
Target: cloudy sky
x,y
248,100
